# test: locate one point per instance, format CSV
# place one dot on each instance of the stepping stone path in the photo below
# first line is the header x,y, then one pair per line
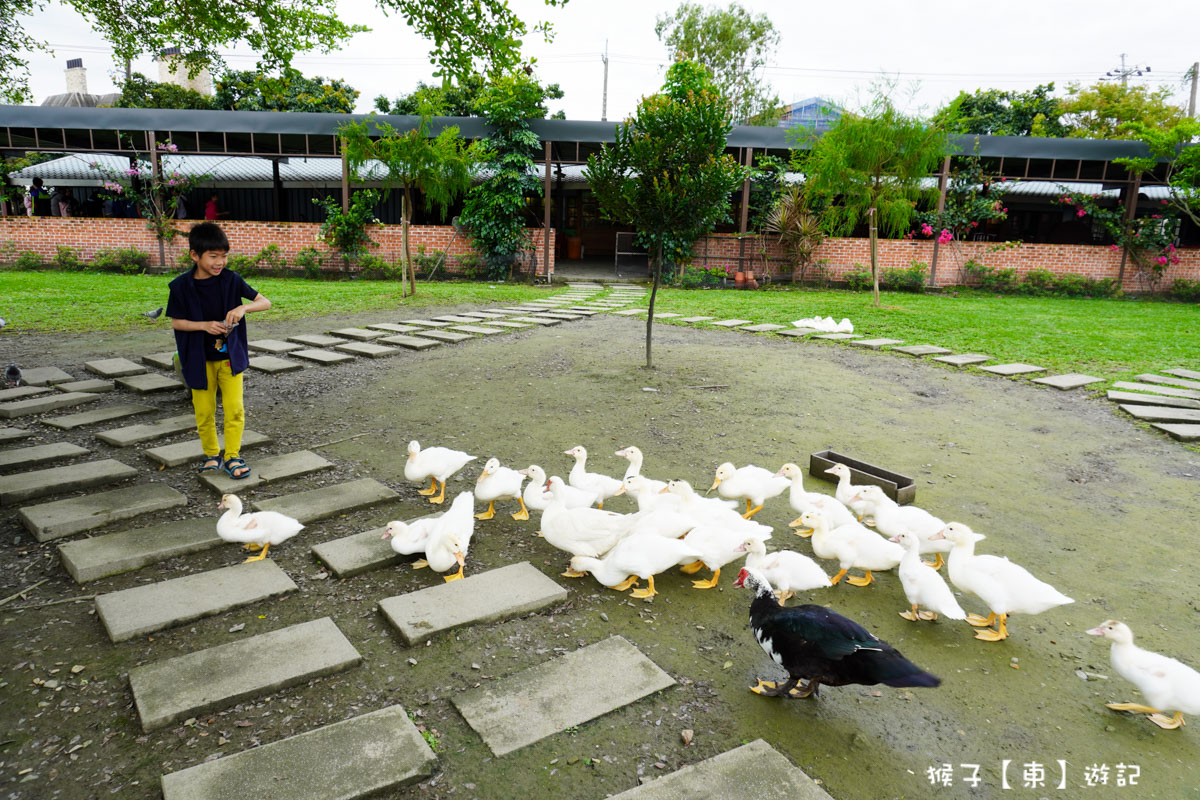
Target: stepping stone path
x,y
695,319
360,334
1148,413
44,376
164,360
631,311
489,596
1071,380
275,346
149,383
74,515
484,315
455,319
174,455
273,365
798,332
510,325
1156,389
322,356
40,405
59,480
391,327
530,705
114,367
1173,381
95,385
411,342
476,329
137,434
364,756
538,320
177,688
963,359
101,556
23,392
445,336
837,336
426,323
329,501
1182,432
667,315
762,327
9,435
921,350
876,344
368,349
316,340
1152,400
354,555
24,457
267,470
1012,369
1184,373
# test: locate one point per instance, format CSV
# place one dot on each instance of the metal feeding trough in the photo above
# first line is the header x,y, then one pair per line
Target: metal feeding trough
x,y
899,487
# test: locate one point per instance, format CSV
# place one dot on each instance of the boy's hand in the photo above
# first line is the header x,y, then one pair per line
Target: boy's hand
x,y
215,327
235,316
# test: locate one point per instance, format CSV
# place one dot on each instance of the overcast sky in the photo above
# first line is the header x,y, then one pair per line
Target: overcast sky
x,y
832,49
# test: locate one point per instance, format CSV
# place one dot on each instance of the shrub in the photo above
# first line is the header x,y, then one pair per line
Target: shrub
x,y
906,279
1186,290
28,260
697,278
374,268
242,265
121,259
1038,282
67,259
184,260
858,279
425,262
470,266
310,260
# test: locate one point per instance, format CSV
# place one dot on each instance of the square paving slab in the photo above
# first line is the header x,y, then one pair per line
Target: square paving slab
x,y
629,312
267,470
922,350
493,595
667,315
362,552
113,367
273,365
445,336
506,324
9,435
368,349
329,501
485,315
1182,431
1157,413
25,457
360,757
44,376
796,332
731,323
23,393
876,344
530,705
174,455
837,337
163,360
177,688
73,515
1071,380
479,330
317,340
45,403
57,480
411,342
322,356
136,434
1190,374
1152,400
152,607
426,323
358,334
963,359
100,556
94,385
1012,369
1152,387
150,382
695,319
274,346
455,319
763,327
538,320
392,327
1172,381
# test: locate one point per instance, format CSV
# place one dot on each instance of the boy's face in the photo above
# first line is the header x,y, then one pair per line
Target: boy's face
x,y
209,263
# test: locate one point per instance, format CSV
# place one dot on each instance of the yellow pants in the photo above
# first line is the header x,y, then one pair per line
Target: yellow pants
x,y
204,401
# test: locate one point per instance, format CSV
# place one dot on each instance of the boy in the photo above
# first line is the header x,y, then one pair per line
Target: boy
x,y
205,306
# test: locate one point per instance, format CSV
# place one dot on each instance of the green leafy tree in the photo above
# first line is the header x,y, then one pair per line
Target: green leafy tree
x,y
1104,110
138,91
1175,155
667,173
992,112
15,44
252,90
734,45
438,167
455,100
868,168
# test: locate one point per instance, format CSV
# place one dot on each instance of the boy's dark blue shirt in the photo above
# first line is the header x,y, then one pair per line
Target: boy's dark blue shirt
x,y
183,302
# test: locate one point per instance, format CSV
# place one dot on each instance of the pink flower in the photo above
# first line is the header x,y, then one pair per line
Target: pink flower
x,y
1115,248
1156,216
974,224
1171,248
133,172
114,187
1081,213
1164,202
1004,210
945,236
1174,259
926,229
170,147
1161,259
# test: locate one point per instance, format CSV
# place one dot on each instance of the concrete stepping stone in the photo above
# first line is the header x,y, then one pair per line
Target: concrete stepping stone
x,y
368,349
76,514
152,607
57,480
1151,400
507,324
316,340
587,312
963,359
274,346
485,315
1012,369
876,344
1172,381
1162,390
174,455
799,333
23,457
94,385
445,336
538,320
98,557
837,337
1148,413
763,327
455,319
9,435
113,367
137,434
695,319
629,312
489,596
1183,373
329,501
667,315
391,327
922,350
151,382
530,705
426,323
362,552
44,376
177,688
374,753
753,770
478,330
273,365
327,357
731,323
1183,432
42,404
267,470
568,316
1071,380
358,334
164,360
411,342
23,392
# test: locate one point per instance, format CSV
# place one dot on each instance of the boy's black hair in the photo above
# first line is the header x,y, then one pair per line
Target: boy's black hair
x,y
37,182
205,236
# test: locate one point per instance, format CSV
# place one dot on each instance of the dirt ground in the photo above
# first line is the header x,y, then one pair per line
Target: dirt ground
x,y
1060,483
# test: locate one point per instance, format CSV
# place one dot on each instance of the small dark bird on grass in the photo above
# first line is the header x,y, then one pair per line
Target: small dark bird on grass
x,y
155,314
13,374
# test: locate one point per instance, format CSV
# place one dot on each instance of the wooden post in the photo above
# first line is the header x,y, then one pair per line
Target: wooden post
x,y
277,190
1130,212
546,223
345,183
749,160
156,182
943,180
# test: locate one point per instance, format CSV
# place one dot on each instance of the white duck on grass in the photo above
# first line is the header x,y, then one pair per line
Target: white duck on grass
x,y
708,509
753,484
802,500
450,539
499,483
845,491
435,463
537,497
788,571
636,557
892,518
635,457
603,486
647,497
853,547
718,546
580,531
258,530
407,538
923,586
1004,587
1164,682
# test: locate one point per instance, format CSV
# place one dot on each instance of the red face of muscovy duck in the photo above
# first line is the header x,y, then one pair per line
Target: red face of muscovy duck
x,y
741,578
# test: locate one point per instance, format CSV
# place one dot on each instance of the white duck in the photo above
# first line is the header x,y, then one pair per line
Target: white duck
x,y
435,463
787,570
718,546
450,538
410,537
602,485
258,530
635,457
709,509
802,500
499,483
755,484
1163,681
845,490
647,497
537,497
891,519
923,586
852,546
636,557
580,531
1003,586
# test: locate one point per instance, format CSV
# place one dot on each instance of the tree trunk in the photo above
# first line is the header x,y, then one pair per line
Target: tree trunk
x,y
650,314
406,273
874,257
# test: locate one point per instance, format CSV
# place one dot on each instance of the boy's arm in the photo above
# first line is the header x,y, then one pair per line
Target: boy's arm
x,y
215,327
259,303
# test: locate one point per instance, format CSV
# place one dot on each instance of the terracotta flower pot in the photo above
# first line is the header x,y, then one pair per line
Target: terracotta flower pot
x,y
739,278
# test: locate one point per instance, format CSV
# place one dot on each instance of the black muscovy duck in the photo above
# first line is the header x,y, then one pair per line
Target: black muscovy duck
x,y
820,646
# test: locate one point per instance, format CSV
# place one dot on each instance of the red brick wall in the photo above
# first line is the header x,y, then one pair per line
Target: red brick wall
x,y
722,250
43,235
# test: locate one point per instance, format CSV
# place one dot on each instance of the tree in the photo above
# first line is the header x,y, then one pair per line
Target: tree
x,y
252,90
138,91
1101,111
667,172
796,226
14,44
992,112
869,167
734,46
455,100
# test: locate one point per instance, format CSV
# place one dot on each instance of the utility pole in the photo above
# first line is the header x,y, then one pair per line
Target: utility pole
x,y
1192,103
604,101
1123,72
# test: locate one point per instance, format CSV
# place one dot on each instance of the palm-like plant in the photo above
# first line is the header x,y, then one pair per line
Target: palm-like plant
x,y
796,227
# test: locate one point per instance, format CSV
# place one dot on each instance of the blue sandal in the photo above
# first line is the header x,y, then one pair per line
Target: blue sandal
x,y
232,465
210,464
